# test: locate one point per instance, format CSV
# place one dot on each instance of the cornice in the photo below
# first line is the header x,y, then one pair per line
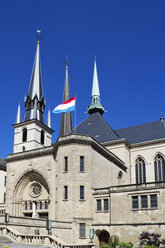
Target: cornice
x,y
87,140
150,186
29,154
129,145
150,142
114,142
70,139
33,121
3,167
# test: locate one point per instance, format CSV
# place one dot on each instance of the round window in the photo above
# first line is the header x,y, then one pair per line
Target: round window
x,y
35,190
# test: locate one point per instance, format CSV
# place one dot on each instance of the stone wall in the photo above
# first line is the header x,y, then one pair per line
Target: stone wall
x,y
130,233
2,185
29,226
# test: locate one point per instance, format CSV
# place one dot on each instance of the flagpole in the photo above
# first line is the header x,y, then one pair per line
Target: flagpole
x,y
75,109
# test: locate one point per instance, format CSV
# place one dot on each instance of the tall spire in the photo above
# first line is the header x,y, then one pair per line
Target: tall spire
x,y
66,118
34,102
95,106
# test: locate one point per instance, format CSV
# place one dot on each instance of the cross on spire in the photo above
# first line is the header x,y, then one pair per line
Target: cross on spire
x,y
38,36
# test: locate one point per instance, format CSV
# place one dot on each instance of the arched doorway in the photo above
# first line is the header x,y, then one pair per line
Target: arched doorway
x,y
31,196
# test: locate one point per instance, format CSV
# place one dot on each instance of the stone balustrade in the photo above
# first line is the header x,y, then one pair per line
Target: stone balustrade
x,y
39,239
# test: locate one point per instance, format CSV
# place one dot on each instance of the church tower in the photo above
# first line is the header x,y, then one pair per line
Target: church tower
x,y
95,106
33,133
66,118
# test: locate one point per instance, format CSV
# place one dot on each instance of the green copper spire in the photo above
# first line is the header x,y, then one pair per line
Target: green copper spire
x,y
95,106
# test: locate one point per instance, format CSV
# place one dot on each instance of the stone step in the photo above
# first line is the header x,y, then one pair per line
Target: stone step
x,y
4,239
14,245
21,246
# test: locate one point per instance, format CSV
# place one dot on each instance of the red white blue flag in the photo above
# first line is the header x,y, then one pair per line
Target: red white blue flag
x,y
65,107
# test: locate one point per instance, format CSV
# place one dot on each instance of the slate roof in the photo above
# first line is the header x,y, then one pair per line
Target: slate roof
x,y
96,127
34,102
66,118
142,133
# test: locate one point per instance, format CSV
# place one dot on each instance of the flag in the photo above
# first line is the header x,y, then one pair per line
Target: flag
x,y
65,107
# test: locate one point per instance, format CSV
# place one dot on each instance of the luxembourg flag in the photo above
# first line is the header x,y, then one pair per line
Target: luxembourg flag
x,y
65,107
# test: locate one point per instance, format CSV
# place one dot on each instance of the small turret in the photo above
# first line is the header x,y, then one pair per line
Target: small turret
x,y
49,119
18,119
95,106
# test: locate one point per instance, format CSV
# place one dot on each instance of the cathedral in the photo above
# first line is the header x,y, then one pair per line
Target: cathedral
x,y
92,178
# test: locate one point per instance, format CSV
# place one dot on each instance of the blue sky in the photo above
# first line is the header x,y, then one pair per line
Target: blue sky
x,y
126,36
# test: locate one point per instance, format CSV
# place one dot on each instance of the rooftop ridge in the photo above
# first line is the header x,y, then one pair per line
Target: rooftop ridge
x,y
139,125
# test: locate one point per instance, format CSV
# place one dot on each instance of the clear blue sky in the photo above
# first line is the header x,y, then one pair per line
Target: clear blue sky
x,y
127,37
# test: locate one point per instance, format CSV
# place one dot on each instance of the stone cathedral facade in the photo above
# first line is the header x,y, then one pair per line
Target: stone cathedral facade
x,y
98,178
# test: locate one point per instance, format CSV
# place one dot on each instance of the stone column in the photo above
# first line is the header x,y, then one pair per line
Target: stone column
x,y
34,209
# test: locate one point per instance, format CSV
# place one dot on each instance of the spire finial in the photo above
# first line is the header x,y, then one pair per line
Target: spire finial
x,y
38,36
67,65
66,61
161,116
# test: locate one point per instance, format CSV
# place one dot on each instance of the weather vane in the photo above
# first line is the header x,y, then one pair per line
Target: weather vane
x,y
38,36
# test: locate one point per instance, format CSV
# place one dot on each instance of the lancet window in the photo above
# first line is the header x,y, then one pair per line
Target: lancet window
x,y
24,135
42,137
159,167
40,205
140,171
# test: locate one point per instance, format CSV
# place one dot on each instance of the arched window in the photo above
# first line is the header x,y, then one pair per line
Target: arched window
x,y
159,167
140,171
42,137
120,177
46,205
24,135
40,205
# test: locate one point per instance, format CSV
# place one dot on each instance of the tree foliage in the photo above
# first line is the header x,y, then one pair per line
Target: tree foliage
x,y
125,245
113,241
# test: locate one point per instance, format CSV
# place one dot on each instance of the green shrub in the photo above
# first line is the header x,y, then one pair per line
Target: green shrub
x,y
150,246
125,245
105,246
113,241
